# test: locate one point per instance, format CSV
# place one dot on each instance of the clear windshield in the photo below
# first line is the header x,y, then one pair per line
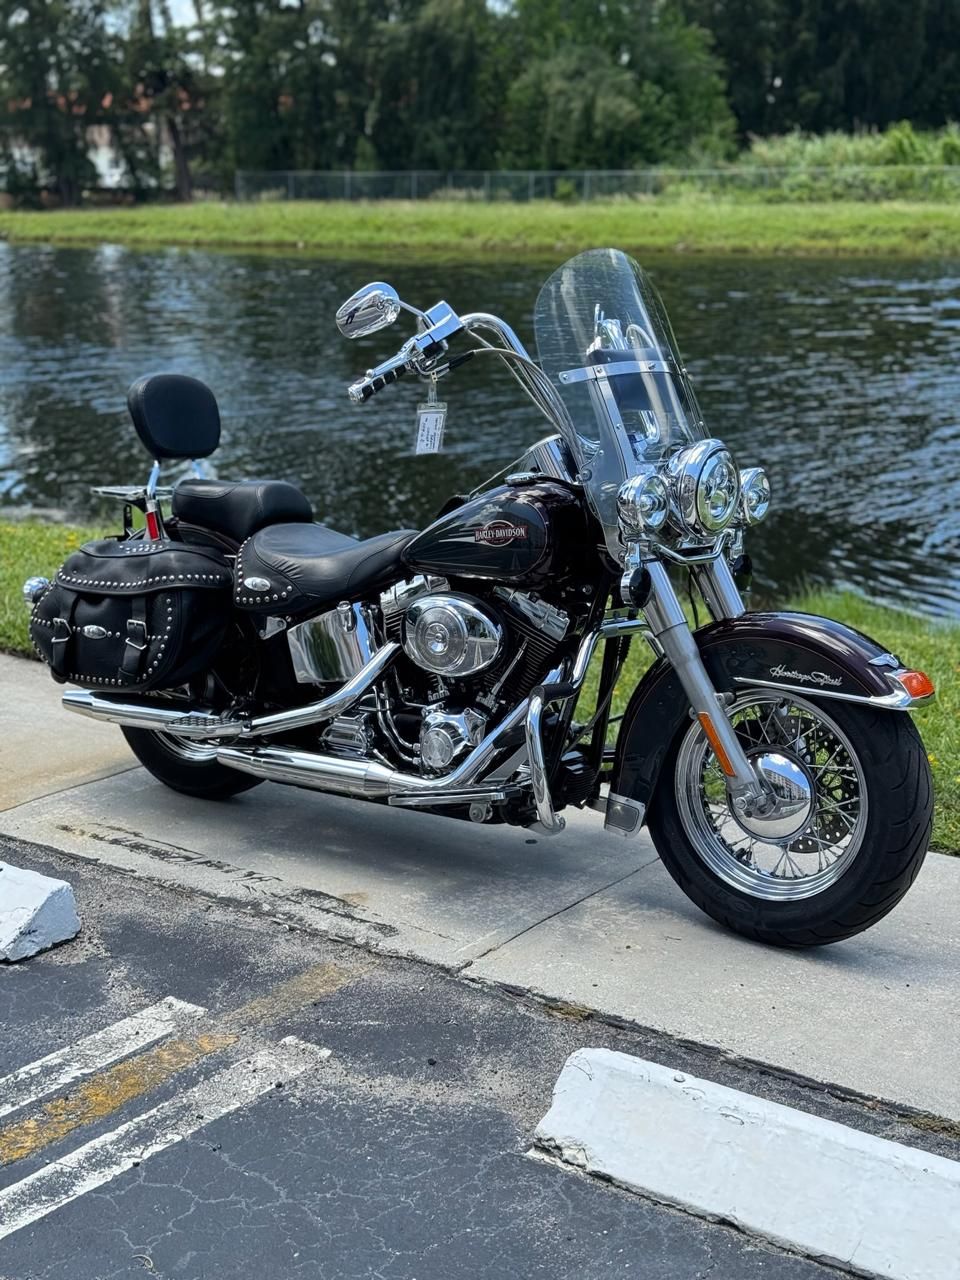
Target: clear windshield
x,y
605,343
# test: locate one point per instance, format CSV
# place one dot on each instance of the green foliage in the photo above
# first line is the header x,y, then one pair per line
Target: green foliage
x,y
899,162
353,84
367,85
58,64
611,87
806,64
433,94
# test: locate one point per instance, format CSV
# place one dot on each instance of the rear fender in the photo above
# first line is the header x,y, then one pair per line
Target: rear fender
x,y
796,652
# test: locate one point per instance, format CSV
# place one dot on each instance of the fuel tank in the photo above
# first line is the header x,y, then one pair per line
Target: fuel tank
x,y
525,534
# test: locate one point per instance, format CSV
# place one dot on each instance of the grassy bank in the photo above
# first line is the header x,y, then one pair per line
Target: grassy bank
x,y
29,548
694,224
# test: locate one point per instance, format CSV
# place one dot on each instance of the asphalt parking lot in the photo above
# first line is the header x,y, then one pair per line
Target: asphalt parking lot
x,y
401,1154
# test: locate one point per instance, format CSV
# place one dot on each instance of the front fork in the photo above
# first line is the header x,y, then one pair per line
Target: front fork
x,y
646,584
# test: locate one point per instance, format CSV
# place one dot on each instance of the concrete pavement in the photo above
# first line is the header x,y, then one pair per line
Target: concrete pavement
x,y
299,1108
42,750
585,918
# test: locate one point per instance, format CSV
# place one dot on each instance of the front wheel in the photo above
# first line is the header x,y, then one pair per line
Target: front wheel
x,y
858,836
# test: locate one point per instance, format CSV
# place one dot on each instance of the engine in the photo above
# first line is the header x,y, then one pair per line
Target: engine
x,y
469,660
451,635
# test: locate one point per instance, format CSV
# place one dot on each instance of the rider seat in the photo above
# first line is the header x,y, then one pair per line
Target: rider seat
x,y
237,509
292,568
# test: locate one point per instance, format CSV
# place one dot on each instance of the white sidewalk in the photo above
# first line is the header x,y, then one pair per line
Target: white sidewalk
x,y
585,918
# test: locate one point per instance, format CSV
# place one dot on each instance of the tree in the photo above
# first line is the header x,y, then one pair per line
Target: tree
x,y
643,89
816,65
279,72
163,97
429,105
58,74
749,41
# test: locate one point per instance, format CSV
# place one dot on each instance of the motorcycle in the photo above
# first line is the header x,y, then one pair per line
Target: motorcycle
x,y
234,640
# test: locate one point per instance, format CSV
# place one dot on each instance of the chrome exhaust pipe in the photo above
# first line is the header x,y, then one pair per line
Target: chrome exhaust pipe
x,y
361,778
365,779
206,725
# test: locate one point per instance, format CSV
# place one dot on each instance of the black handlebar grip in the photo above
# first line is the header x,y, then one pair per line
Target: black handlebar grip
x,y
380,381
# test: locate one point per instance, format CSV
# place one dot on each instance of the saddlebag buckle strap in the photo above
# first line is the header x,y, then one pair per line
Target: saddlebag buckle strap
x,y
137,626
136,643
63,636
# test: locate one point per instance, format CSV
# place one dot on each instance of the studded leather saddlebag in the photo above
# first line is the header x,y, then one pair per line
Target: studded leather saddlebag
x,y
133,614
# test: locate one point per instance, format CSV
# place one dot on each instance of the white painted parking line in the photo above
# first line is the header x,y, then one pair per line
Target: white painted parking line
x,y
830,1192
106,1157
94,1052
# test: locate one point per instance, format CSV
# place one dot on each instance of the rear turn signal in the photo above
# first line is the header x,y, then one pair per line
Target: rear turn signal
x,y
916,683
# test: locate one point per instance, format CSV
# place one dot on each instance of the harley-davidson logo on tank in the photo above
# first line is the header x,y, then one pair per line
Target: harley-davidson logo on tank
x,y
511,534
499,533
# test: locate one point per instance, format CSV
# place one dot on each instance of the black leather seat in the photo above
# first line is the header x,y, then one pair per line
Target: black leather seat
x,y
238,509
289,568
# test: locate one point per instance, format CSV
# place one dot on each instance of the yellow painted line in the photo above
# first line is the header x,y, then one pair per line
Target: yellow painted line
x,y
287,997
105,1093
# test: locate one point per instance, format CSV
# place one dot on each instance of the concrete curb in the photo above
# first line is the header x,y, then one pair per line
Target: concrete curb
x,y
830,1192
36,912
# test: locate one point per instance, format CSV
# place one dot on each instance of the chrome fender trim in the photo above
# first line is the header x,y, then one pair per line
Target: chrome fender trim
x,y
898,699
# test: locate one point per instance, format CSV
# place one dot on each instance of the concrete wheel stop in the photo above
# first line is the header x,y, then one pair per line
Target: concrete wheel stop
x,y
36,912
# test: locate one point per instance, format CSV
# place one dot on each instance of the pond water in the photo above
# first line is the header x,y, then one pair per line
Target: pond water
x,y
841,377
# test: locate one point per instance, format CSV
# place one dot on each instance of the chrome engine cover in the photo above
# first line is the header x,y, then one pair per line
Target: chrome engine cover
x,y
445,736
451,635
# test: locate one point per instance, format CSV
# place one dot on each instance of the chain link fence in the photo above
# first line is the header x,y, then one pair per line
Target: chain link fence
x,y
854,182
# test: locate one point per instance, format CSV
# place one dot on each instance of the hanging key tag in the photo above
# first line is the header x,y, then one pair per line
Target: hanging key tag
x,y
431,417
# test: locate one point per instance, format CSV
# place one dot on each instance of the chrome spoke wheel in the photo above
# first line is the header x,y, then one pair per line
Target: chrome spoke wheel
x,y
828,835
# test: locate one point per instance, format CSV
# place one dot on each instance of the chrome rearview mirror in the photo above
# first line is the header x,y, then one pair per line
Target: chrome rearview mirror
x,y
371,308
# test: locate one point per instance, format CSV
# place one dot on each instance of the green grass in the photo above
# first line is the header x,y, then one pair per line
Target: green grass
x,y
695,224
29,548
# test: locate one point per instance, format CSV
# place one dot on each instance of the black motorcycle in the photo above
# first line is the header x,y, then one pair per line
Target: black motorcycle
x,y
235,640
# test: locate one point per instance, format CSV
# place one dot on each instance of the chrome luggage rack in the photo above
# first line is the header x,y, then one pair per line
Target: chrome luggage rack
x,y
134,494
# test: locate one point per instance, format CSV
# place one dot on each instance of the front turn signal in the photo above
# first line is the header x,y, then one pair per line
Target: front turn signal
x,y
917,683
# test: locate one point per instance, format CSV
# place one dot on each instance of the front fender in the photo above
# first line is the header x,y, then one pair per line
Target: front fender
x,y
799,652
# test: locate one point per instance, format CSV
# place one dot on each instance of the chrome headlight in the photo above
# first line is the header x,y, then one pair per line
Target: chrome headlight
x,y
755,487
706,486
643,502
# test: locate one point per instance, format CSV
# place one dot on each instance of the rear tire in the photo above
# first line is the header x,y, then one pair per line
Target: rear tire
x,y
874,818
188,767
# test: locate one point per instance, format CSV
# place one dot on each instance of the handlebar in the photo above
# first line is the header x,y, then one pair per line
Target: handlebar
x,y
423,353
384,374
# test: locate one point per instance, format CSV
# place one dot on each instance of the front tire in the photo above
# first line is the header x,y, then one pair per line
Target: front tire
x,y
188,767
853,861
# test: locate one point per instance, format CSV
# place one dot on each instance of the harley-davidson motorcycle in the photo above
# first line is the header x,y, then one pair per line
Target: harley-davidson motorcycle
x,y
235,640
